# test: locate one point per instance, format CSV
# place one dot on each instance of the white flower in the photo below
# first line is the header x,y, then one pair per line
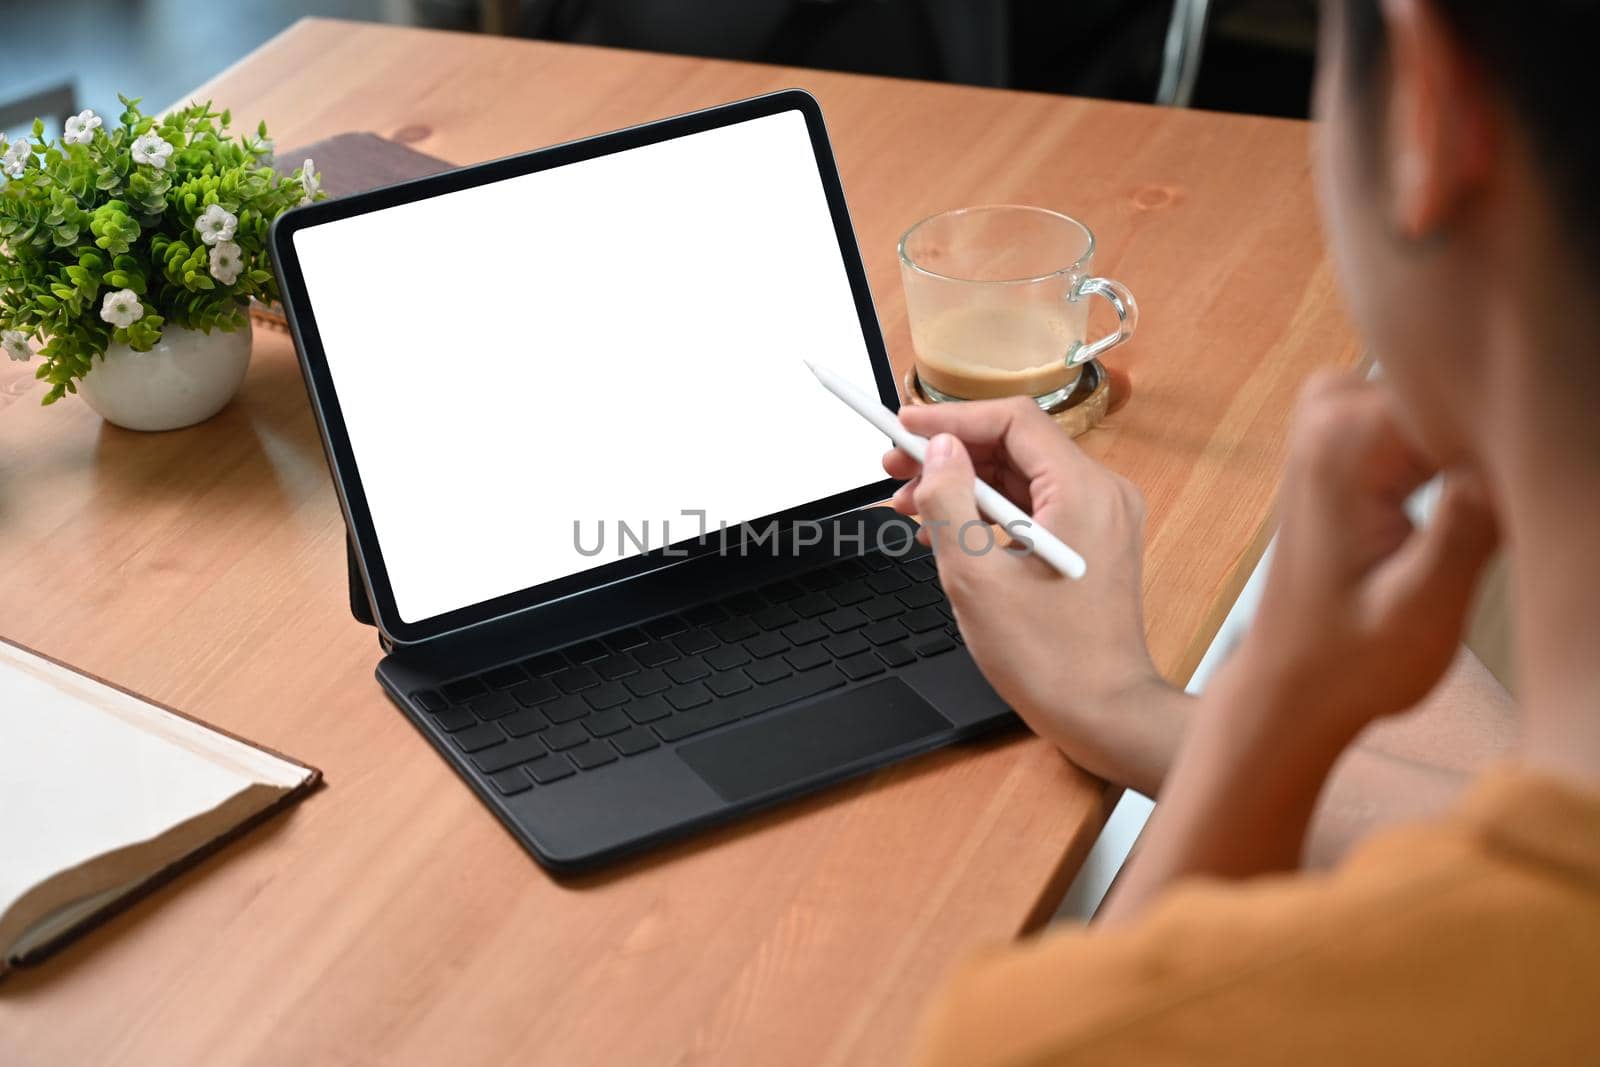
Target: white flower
x,y
16,158
122,308
15,342
79,129
151,150
227,260
309,181
265,147
216,224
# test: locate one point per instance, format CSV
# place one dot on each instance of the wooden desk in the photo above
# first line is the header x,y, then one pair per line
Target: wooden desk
x,y
390,919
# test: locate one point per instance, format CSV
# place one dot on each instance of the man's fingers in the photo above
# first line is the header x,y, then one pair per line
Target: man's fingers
x,y
1437,569
944,498
898,464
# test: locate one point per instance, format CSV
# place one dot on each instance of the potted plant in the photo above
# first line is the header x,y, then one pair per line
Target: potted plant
x,y
129,255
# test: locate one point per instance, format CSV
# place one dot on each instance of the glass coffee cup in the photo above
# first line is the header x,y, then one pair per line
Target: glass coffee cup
x,y
997,299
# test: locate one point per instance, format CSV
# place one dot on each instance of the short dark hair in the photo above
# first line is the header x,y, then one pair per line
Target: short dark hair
x,y
1544,55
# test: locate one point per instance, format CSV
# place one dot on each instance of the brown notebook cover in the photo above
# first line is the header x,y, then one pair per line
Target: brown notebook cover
x,y
157,878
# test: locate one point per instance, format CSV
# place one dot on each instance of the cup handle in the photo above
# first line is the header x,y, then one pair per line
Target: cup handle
x,y
1121,301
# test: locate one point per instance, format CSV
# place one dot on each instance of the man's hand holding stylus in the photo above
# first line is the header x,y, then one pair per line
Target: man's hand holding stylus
x,y
1069,656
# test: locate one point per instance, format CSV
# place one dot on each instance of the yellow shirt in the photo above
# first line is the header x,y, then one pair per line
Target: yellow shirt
x,y
1475,939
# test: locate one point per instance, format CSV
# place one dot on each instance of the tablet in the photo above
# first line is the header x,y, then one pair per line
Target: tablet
x,y
557,371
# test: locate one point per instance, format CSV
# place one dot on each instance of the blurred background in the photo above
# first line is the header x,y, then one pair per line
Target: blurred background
x,y
1236,55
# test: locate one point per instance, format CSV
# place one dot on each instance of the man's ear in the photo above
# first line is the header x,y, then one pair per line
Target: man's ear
x,y
1442,124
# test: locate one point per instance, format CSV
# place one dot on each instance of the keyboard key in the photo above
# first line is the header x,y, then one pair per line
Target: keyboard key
x,y
565,710
932,644
608,722
852,592
876,561
818,580
634,741
922,620
804,632
704,615
607,695
523,723
688,696
549,663
881,633
429,700
883,607
644,683
648,709
592,755
780,591
493,705
455,719
763,645
735,630
695,641
509,754
655,654
845,645
727,657
946,610
807,658
921,570
535,692
897,654
586,651
477,738
565,736
774,617
849,569
861,666
574,679
688,670
665,626
777,694
550,769
615,666
920,596
502,677
728,683
623,640
844,619
510,783
811,605
765,671
693,722
889,582
463,690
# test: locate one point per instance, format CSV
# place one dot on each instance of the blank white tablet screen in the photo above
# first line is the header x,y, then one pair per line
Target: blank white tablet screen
x,y
613,340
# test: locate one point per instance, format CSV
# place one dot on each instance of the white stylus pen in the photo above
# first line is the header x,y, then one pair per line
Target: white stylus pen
x,y
995,507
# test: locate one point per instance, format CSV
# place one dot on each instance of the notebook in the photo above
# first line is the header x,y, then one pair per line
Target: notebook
x,y
104,795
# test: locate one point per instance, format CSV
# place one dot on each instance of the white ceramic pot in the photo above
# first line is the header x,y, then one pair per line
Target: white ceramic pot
x,y
186,378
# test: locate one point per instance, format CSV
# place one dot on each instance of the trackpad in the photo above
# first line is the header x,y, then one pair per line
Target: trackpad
x,y
791,747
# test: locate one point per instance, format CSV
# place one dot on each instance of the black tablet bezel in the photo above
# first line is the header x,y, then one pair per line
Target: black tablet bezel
x,y
325,401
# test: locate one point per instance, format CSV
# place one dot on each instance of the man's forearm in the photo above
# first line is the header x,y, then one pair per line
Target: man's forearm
x,y
1410,768
1240,795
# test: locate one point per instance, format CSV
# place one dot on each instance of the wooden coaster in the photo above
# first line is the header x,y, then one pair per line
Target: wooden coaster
x,y
1083,409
